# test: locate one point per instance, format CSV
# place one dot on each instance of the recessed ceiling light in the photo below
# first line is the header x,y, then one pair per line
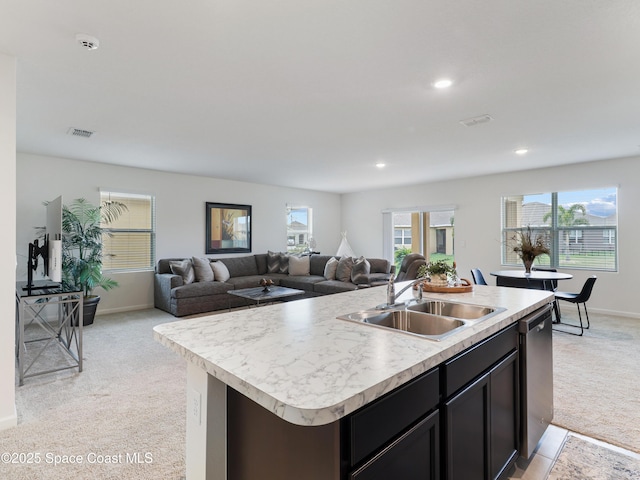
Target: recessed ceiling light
x,y
521,151
443,83
380,164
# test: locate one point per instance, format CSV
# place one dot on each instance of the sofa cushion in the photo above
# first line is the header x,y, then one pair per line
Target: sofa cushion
x,y
380,265
200,289
330,268
248,281
302,282
220,271
333,286
202,269
343,271
360,271
183,268
317,263
299,265
241,266
261,263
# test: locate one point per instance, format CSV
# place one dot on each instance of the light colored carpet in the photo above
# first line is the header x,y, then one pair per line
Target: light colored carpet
x,y
127,407
596,379
584,460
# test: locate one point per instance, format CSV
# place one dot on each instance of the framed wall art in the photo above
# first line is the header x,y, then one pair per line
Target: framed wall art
x,y
228,228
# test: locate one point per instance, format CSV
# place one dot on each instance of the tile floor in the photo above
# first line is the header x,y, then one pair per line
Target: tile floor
x,y
539,466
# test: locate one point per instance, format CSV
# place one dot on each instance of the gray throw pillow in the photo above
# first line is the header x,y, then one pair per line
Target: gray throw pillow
x,y
284,263
360,271
202,268
343,272
330,268
220,271
184,269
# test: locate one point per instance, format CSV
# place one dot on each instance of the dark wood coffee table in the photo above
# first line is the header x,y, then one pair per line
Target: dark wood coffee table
x,y
259,294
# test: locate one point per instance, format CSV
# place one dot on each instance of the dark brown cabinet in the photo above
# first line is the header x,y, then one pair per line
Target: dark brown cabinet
x,y
482,417
413,456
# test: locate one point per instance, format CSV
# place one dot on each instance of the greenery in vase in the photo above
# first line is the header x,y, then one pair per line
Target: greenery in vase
x,y
82,233
439,267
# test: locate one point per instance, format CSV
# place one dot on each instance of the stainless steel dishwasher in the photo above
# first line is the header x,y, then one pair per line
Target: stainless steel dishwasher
x,y
536,378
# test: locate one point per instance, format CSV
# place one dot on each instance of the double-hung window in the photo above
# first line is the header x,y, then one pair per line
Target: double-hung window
x,y
299,229
130,240
580,227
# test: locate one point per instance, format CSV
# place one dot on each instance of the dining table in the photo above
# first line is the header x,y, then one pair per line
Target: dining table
x,y
536,279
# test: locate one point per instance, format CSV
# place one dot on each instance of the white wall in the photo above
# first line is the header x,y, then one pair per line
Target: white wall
x,y
8,416
180,208
477,220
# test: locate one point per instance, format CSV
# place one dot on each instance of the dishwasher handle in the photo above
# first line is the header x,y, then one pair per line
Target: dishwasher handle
x,y
535,320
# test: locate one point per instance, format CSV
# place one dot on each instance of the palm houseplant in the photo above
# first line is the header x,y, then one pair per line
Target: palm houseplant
x,y
82,250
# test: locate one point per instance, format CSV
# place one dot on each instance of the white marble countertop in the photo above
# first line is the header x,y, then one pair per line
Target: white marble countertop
x,y
300,362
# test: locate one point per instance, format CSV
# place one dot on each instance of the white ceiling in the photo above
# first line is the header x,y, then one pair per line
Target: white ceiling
x,y
313,93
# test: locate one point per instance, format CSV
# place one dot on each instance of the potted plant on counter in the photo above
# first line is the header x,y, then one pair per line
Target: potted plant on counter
x,y
439,272
82,251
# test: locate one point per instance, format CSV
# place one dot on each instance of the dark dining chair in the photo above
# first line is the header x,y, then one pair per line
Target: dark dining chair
x,y
478,278
551,286
578,298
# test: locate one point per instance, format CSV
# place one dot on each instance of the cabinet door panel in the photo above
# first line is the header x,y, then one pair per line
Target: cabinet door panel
x,y
504,414
414,456
467,432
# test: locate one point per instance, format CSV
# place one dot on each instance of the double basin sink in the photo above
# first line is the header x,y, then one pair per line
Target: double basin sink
x,y
431,319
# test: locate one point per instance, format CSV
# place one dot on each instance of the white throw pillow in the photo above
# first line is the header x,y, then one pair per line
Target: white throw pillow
x,y
330,268
299,265
220,271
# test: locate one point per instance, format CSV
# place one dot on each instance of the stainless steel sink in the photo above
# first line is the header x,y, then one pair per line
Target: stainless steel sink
x,y
432,319
453,309
426,325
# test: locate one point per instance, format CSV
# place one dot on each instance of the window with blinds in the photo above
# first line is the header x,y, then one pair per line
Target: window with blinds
x,y
580,228
129,241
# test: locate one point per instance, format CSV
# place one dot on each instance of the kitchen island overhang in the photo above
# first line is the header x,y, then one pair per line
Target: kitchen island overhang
x,y
302,364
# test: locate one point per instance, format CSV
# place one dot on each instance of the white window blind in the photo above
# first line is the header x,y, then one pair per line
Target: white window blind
x,y
129,241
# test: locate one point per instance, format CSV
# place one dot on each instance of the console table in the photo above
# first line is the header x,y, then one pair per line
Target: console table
x,y
54,313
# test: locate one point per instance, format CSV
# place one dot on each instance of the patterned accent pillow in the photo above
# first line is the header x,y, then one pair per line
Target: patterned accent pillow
x,y
184,269
202,269
299,265
277,262
330,268
220,271
360,271
273,262
343,272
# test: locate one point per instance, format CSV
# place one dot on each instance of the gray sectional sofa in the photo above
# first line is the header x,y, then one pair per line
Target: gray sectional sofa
x,y
186,286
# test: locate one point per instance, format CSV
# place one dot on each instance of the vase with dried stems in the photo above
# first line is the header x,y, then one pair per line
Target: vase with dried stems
x,y
529,246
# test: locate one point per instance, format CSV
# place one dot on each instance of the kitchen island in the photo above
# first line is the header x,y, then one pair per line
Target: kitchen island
x,y
308,371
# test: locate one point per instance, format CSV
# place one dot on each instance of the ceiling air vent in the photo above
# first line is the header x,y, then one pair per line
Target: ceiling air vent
x,y
470,122
79,132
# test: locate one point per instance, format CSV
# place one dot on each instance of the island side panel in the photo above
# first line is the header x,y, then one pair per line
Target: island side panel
x,y
206,455
262,445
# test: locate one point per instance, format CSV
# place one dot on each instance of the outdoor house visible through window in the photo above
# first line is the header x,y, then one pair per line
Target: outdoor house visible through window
x,y
299,229
427,231
580,227
130,244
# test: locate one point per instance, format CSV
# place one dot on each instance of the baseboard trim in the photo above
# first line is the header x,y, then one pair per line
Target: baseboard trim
x,y
130,308
612,312
10,421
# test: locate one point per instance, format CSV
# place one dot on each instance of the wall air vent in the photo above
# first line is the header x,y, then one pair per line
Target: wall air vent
x,y
79,132
470,122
